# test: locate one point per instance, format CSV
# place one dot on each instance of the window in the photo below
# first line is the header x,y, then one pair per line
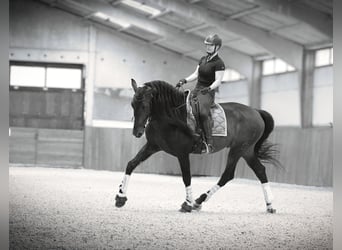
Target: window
x,y
284,107
231,75
236,91
63,78
276,66
323,88
280,97
324,57
280,66
323,106
46,76
323,96
27,76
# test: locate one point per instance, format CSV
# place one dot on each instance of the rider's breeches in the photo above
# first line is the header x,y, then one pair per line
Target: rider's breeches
x,y
206,101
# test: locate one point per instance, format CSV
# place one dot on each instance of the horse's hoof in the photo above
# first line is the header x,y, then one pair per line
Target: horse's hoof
x,y
271,210
196,207
120,201
201,199
186,208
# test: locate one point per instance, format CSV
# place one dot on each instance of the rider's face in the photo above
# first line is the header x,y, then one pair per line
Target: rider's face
x,y
210,48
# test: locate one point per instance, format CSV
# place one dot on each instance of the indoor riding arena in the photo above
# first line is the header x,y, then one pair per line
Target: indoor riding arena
x,y
92,165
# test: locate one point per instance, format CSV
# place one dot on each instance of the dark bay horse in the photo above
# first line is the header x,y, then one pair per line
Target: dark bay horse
x,y
162,107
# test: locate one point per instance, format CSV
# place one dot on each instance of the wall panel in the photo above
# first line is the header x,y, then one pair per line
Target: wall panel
x,y
62,148
55,108
22,145
305,153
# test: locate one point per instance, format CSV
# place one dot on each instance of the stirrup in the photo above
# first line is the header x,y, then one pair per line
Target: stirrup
x,y
208,148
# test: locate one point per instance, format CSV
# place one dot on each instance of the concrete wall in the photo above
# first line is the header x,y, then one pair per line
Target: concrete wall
x,y
39,33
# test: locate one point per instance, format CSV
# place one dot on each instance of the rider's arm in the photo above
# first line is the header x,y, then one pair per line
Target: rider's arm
x,y
193,76
218,79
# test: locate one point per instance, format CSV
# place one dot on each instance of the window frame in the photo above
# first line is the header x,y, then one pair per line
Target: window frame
x,y
47,65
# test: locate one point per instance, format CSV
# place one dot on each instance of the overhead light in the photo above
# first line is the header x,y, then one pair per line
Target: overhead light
x,y
142,7
101,15
112,20
120,22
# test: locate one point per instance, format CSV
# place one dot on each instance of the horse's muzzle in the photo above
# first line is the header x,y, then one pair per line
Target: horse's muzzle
x,y
138,132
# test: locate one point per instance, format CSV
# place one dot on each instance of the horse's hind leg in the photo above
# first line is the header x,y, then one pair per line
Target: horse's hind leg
x,y
228,174
260,171
146,151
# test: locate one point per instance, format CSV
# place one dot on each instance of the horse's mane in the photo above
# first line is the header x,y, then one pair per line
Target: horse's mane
x,y
169,103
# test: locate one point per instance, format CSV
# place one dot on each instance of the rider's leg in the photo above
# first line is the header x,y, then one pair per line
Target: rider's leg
x,y
206,102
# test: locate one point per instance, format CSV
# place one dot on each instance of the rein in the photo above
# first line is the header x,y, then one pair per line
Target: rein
x,y
179,106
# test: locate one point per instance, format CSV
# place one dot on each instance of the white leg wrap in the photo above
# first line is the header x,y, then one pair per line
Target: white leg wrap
x,y
188,191
212,191
123,186
267,193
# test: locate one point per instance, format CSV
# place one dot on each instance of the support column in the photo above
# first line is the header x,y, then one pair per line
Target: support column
x,y
89,97
90,75
255,85
306,88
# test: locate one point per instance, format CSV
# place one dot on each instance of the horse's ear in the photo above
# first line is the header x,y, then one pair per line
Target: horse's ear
x,y
134,85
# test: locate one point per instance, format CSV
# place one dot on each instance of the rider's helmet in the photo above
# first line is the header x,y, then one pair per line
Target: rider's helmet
x,y
214,40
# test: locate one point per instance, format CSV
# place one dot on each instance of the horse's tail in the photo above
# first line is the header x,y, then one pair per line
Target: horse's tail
x,y
264,149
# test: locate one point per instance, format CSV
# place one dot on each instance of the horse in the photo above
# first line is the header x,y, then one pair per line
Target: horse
x,y
160,112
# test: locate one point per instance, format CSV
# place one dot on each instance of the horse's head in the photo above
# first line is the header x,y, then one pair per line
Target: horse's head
x,y
141,104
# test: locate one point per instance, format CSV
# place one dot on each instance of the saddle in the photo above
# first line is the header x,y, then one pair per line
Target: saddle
x,y
217,118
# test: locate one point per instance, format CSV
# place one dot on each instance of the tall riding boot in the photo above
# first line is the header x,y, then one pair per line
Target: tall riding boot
x,y
208,136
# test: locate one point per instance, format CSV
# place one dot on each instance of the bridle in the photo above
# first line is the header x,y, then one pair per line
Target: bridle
x,y
141,100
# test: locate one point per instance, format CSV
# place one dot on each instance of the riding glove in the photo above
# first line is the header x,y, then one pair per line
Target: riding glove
x,y
205,90
181,82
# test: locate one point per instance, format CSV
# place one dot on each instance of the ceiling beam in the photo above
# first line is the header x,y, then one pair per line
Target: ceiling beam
x,y
234,59
245,12
190,52
162,13
195,1
195,28
115,2
158,40
289,51
316,19
319,46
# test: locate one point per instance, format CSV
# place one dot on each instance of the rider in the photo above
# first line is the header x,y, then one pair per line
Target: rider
x,y
209,73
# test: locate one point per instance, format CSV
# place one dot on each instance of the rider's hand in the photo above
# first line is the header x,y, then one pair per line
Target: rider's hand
x,y
181,82
205,90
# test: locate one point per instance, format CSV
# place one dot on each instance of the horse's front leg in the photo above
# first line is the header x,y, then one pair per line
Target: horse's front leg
x,y
146,151
184,162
